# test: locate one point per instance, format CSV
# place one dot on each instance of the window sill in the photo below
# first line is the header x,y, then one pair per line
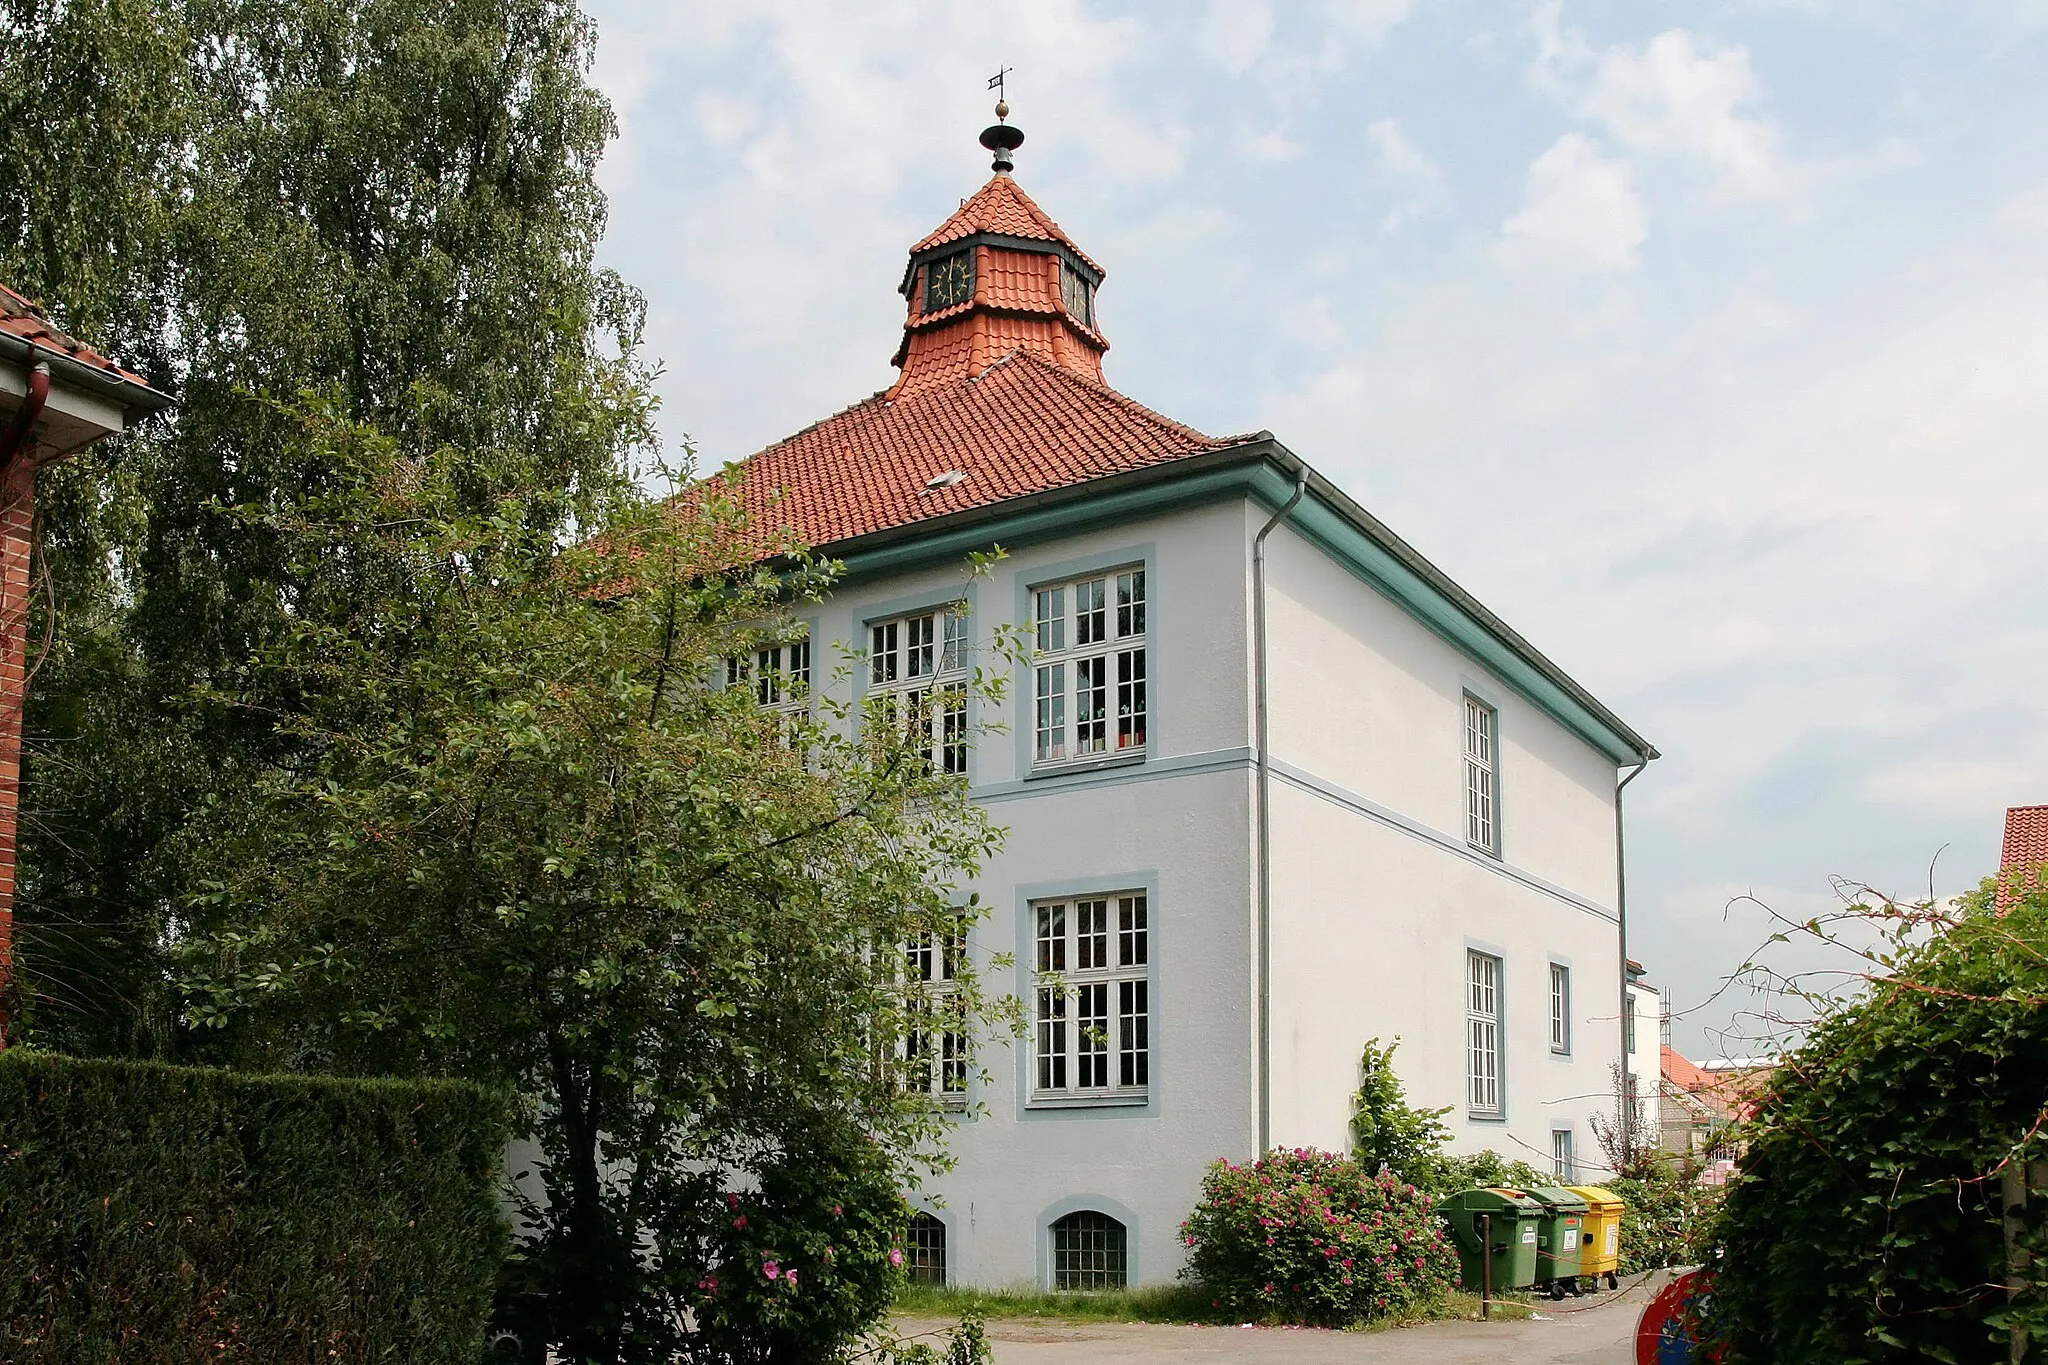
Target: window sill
x,y
1483,851
1563,1052
1124,1099
1126,759
1485,1116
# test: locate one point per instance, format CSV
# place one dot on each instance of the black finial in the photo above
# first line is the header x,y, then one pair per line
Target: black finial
x,y
999,137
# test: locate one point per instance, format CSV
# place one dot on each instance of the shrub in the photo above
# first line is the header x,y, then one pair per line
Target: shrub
x,y
154,1214
1863,1224
1487,1168
802,1267
1388,1131
1666,1219
1308,1237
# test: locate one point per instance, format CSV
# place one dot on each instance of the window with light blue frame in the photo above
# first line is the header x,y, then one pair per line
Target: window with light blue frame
x,y
917,667
1091,997
1090,669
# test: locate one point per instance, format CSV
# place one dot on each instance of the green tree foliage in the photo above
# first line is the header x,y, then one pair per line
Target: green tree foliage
x,y
389,203
160,1215
1864,1222
1388,1131
1309,1237
531,836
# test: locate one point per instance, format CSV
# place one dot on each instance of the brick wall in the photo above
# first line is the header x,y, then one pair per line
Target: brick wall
x,y
17,518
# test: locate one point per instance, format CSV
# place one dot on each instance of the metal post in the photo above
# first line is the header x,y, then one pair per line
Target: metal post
x,y
1485,1267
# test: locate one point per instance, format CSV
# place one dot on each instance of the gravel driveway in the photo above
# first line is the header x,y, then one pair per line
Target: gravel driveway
x,y
1589,1331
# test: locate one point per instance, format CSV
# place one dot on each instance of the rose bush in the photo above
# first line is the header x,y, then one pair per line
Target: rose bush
x,y
1309,1237
800,1267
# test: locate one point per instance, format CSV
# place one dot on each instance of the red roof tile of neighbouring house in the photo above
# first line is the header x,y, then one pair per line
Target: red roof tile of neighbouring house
x,y
1024,425
2025,850
1000,206
21,317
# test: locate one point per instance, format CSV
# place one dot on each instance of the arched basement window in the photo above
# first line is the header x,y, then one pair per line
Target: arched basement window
x,y
927,1247
1088,1251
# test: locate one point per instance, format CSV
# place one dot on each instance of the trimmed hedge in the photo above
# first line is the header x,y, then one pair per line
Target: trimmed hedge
x,y
153,1214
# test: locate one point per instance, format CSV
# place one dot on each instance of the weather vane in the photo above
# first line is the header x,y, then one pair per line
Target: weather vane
x,y
999,137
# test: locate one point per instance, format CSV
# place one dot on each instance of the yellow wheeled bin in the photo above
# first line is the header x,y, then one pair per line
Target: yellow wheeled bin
x,y
1600,1253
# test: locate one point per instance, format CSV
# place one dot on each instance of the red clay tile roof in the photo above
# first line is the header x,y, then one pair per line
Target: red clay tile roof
x,y
1001,206
20,317
2025,851
1024,425
2026,837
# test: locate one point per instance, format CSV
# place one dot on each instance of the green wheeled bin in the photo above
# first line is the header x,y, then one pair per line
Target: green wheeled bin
x,y
1497,1225
1560,1239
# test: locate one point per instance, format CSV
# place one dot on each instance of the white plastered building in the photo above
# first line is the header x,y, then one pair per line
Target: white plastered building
x,y
1273,784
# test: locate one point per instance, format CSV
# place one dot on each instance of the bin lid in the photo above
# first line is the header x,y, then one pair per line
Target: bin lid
x,y
1558,1199
1494,1200
1596,1197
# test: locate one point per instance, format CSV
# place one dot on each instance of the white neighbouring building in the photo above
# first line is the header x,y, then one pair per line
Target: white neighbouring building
x,y
1440,858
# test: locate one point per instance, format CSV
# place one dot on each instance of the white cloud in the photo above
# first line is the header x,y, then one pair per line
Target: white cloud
x,y
1418,182
1580,206
1675,96
1236,33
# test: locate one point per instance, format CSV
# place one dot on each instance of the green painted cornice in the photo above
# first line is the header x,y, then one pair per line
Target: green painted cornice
x,y
1265,471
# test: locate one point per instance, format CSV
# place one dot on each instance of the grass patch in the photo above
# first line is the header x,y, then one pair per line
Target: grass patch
x,y
1150,1303
1171,1303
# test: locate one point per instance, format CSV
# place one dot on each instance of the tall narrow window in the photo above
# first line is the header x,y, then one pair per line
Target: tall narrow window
x,y
1564,1162
936,1044
1089,1251
1628,1026
1560,1007
1482,824
1091,677
917,674
1482,1032
1092,999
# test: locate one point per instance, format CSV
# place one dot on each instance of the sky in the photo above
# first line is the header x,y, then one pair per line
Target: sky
x,y
1706,343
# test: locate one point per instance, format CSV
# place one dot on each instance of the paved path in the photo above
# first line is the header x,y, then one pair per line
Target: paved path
x,y
1588,1331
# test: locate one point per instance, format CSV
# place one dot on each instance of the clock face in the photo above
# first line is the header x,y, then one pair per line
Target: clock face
x,y
949,281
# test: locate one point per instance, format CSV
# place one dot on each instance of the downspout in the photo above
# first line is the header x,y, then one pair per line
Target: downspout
x,y
25,417
1265,780
1621,924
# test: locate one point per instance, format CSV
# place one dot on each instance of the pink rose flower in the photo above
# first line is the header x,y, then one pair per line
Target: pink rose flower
x,y
895,1255
740,1222
770,1269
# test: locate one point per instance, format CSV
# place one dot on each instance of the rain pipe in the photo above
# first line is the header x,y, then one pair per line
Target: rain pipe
x,y
25,418
1265,783
1628,1004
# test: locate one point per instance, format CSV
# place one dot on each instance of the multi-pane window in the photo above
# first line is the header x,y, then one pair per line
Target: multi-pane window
x,y
935,1046
1560,1007
1089,1251
1077,294
1482,828
1089,670
1628,1026
779,674
1482,1032
924,1245
1092,1015
1564,1163
917,668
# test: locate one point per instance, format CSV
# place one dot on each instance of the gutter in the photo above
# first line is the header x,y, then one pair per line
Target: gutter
x,y
1265,802
134,399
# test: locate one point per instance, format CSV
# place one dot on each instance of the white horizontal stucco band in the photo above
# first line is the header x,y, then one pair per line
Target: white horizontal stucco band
x,y
1218,760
